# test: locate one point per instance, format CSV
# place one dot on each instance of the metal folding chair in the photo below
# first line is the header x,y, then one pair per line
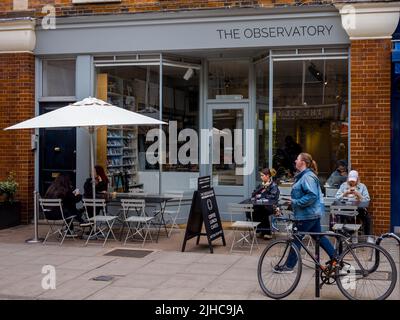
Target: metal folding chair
x,y
244,231
345,212
60,227
102,223
138,223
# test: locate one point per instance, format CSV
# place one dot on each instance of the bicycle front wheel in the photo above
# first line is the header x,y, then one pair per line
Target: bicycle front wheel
x,y
275,279
366,272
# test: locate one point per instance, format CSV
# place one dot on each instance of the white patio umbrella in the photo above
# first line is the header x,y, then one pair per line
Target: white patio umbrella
x,y
89,113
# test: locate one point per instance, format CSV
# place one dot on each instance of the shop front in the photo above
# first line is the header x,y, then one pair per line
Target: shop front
x,y
240,92
240,88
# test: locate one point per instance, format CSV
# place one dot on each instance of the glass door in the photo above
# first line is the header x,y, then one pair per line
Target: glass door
x,y
228,123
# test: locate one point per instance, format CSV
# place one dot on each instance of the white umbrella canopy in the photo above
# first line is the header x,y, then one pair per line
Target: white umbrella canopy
x,y
91,113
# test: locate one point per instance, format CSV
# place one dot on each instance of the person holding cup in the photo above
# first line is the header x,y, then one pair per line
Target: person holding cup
x,y
353,189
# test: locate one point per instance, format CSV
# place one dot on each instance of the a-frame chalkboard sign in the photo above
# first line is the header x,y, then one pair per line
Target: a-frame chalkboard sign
x,y
204,209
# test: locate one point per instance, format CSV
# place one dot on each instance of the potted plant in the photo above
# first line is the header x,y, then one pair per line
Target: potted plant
x,y
10,209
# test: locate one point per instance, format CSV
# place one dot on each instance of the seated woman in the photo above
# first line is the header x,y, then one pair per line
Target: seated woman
x,y
101,185
268,189
61,188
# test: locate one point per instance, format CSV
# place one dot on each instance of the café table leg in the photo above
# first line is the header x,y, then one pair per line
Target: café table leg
x,y
162,220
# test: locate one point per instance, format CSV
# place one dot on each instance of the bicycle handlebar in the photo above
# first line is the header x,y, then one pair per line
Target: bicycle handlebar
x,y
294,230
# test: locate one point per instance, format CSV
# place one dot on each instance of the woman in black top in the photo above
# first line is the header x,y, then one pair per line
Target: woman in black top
x,y
101,183
268,189
101,187
61,188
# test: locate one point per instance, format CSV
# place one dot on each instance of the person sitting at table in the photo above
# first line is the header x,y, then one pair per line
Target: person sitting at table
x,y
268,189
101,186
353,189
61,188
338,176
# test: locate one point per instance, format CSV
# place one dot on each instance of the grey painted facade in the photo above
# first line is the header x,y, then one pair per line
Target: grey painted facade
x,y
88,37
83,36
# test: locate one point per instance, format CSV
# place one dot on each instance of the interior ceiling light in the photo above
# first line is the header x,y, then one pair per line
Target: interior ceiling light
x,y
188,74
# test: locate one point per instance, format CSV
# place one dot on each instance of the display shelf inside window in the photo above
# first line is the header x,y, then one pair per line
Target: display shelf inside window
x,y
114,149
130,155
122,141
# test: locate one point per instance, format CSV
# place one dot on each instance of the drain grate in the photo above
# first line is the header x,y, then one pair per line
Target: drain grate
x,y
103,278
129,253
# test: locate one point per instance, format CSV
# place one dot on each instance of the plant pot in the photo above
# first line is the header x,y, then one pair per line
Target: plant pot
x,y
10,214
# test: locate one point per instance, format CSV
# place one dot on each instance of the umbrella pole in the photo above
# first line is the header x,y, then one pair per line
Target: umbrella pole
x,y
91,131
35,238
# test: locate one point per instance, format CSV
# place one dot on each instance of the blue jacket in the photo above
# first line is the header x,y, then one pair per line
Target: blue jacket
x,y
307,198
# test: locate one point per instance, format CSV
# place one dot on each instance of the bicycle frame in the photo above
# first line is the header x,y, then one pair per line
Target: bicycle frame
x,y
297,235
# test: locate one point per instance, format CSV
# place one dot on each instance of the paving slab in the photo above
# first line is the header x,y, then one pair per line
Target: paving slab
x,y
207,268
74,289
219,296
156,268
118,293
87,263
30,287
242,274
189,281
172,293
149,281
227,286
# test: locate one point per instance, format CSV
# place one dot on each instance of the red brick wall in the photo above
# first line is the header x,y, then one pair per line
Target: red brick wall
x,y
17,103
66,8
370,123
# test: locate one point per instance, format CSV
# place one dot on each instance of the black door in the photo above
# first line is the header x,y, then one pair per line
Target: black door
x,y
57,151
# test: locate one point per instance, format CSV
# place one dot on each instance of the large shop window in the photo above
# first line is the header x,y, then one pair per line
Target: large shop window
x,y
310,114
58,78
228,79
262,102
122,150
181,110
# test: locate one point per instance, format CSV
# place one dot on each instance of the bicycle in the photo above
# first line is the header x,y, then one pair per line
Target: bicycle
x,y
357,266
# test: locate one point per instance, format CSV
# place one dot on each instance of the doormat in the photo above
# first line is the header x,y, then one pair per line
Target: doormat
x,y
128,253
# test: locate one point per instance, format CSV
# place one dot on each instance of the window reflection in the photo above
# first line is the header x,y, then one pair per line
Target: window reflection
x,y
228,79
181,104
310,111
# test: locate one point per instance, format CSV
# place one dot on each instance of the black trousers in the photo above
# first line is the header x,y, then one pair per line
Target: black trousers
x,y
261,214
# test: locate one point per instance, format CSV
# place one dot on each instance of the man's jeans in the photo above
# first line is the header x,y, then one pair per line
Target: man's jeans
x,y
313,225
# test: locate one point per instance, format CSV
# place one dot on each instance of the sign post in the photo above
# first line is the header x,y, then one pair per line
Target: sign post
x,y
204,209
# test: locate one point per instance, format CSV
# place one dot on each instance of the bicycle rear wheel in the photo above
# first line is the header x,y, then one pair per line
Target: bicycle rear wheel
x,y
274,282
366,272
